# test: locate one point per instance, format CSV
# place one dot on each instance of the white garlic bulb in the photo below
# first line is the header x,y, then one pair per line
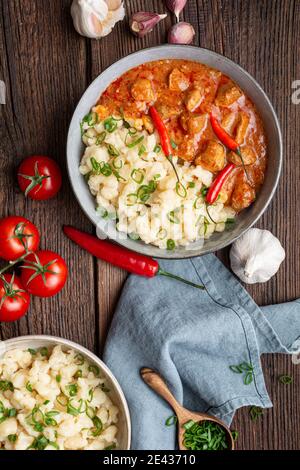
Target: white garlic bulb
x,y
256,256
96,18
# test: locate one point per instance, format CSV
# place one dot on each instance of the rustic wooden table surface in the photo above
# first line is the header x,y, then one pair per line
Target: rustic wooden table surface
x,y
46,67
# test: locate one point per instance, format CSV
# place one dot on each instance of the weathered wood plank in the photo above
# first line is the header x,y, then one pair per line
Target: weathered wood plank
x,y
45,71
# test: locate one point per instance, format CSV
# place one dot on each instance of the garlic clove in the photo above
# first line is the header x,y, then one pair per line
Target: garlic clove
x,y
176,6
112,18
96,18
143,22
256,256
181,33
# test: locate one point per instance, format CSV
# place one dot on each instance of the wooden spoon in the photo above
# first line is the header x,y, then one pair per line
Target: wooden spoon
x,y
156,382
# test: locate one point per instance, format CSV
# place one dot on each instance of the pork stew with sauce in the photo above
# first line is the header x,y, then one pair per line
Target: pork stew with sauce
x,y
185,93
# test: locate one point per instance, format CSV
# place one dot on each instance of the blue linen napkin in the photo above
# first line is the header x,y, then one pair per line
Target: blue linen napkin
x,y
191,337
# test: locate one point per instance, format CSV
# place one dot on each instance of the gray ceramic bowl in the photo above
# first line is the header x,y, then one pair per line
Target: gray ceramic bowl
x,y
116,394
248,217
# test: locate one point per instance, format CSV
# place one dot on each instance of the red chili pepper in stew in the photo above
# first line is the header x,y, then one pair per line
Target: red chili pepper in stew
x,y
162,131
164,136
218,183
223,136
119,256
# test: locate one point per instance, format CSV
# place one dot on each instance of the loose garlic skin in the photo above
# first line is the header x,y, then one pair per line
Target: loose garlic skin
x,y
96,18
256,256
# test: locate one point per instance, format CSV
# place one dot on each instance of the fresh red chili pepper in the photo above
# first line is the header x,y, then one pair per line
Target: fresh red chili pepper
x,y
162,131
227,140
119,256
218,183
223,136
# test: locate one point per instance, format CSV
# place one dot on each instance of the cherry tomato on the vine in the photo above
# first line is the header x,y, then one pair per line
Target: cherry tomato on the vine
x,y
14,300
17,236
39,177
44,273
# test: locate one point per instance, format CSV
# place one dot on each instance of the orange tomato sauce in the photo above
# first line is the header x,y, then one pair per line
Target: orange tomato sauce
x,y
185,93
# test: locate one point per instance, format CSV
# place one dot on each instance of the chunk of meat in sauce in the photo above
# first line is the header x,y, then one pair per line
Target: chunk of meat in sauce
x,y
194,98
178,81
213,158
228,94
248,156
148,124
243,194
142,90
187,148
197,123
242,127
229,122
102,111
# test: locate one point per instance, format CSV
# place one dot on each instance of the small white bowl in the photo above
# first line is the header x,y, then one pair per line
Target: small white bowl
x,y
247,218
116,394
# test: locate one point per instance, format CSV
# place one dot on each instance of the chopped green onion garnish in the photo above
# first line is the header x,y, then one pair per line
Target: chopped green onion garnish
x,y
32,351
98,426
244,367
90,412
285,379
5,385
62,400
204,191
110,124
157,148
170,244
113,446
191,184
103,213
112,150
142,150
44,352
73,389
173,218
79,359
78,374
12,437
29,387
91,395
255,412
188,424
205,435
105,169
95,370
173,144
229,222
162,234
137,176
131,199
101,138
58,378
72,410
134,236
171,420
117,163
135,142
39,443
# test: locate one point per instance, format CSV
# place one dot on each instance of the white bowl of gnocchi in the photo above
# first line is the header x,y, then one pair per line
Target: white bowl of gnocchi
x,y
57,395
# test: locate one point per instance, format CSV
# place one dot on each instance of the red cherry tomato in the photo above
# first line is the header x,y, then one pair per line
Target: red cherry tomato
x,y
17,235
39,177
14,300
44,273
